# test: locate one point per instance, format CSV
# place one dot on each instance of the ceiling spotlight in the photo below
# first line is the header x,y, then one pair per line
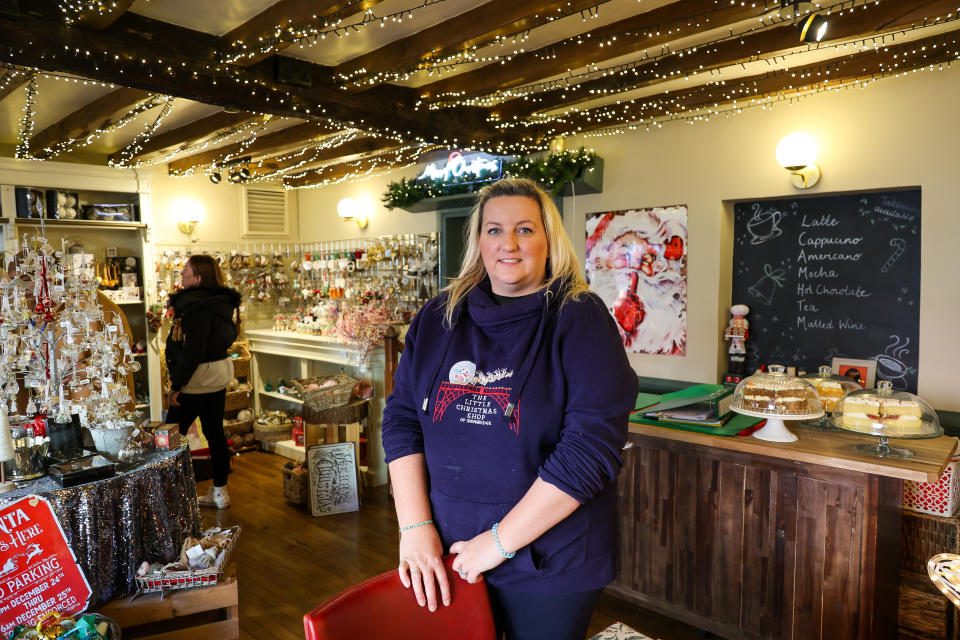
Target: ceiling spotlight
x,y
244,173
235,176
812,28
215,177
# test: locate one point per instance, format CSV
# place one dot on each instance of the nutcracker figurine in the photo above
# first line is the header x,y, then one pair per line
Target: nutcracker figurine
x,y
738,330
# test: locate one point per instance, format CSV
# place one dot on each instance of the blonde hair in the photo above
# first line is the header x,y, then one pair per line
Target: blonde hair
x,y
562,263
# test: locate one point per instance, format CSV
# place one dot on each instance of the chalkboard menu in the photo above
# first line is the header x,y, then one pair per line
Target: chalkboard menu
x,y
835,276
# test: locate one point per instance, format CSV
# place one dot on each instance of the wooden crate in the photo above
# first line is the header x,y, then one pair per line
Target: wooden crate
x,y
925,613
211,613
924,536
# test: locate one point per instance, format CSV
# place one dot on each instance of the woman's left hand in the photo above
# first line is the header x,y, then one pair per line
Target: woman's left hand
x,y
475,556
172,399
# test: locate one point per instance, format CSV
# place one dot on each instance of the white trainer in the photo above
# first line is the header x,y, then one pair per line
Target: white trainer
x,y
215,497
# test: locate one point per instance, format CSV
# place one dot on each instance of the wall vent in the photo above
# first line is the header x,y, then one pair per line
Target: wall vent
x,y
265,213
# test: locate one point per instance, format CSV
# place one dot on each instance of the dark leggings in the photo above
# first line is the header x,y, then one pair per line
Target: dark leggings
x,y
209,408
542,616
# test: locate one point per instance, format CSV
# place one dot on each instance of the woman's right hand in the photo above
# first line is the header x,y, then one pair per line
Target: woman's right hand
x,y
421,565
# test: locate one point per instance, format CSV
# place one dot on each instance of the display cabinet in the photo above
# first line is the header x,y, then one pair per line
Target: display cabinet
x,y
119,234
286,355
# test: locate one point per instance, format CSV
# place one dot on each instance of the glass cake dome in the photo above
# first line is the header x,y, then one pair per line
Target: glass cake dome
x,y
776,396
886,413
830,387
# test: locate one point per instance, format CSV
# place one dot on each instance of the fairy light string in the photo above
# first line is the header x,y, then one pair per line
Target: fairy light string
x,y
136,145
27,122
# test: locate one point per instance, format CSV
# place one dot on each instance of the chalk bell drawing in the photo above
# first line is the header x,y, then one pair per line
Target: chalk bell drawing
x,y
764,288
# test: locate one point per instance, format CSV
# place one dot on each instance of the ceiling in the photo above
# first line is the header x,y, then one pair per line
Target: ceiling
x,y
311,92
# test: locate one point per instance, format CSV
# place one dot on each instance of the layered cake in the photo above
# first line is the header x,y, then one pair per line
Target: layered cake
x,y
775,398
886,416
829,391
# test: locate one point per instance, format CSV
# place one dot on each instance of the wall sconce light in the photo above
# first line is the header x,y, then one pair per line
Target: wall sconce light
x,y
353,210
797,153
191,213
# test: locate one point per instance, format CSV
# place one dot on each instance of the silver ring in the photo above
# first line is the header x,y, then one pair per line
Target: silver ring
x,y
414,571
463,574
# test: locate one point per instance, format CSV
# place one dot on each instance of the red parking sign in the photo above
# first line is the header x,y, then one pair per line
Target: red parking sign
x,y
38,571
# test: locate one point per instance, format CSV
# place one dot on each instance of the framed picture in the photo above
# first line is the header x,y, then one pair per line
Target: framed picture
x,y
863,372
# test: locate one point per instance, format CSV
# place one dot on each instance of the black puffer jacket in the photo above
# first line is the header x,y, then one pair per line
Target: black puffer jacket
x,y
206,330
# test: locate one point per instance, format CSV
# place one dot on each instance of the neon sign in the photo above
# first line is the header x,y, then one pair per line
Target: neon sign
x,y
461,168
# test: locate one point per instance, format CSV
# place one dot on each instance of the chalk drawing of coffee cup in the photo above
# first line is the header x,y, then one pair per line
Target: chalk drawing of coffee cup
x,y
764,225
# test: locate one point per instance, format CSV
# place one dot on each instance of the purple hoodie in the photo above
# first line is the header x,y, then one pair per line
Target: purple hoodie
x,y
514,392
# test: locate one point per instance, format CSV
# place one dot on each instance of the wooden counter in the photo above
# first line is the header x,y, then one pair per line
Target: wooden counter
x,y
829,448
753,539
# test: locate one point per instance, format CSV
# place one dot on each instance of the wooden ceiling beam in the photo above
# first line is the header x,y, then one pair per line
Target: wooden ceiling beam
x,y
93,19
362,146
13,83
336,171
128,61
864,66
477,27
674,20
269,27
770,42
87,119
188,135
297,136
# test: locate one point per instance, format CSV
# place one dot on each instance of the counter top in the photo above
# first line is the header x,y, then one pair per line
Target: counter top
x,y
828,448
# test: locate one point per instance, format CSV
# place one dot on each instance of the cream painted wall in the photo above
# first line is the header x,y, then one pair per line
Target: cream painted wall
x,y
895,133
319,219
221,203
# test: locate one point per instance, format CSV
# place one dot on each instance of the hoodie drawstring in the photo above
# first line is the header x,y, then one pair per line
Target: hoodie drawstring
x,y
528,360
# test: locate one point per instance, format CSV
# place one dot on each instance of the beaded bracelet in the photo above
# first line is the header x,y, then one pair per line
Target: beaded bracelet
x,y
496,540
413,526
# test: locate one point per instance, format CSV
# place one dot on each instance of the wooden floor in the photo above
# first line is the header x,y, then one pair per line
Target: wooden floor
x,y
288,562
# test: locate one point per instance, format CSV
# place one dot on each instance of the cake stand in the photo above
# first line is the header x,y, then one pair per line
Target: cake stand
x,y
775,430
883,426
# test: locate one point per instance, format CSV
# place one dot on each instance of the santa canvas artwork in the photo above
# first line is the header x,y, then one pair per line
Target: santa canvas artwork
x,y
636,261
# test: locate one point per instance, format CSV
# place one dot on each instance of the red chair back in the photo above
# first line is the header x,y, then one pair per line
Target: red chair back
x,y
381,608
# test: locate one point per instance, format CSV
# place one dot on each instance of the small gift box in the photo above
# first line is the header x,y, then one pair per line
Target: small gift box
x,y
167,436
938,498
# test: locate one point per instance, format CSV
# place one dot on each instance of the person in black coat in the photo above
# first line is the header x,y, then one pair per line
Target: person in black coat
x,y
206,321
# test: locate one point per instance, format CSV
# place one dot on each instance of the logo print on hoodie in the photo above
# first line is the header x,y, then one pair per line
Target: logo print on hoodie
x,y
475,402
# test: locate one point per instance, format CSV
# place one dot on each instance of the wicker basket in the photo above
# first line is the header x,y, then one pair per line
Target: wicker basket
x,y
926,535
236,400
237,428
325,397
241,367
273,432
296,486
170,580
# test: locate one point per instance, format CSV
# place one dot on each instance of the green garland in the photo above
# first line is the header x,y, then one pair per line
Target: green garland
x,y
552,173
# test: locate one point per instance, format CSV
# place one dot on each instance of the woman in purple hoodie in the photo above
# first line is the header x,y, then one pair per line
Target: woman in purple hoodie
x,y
504,430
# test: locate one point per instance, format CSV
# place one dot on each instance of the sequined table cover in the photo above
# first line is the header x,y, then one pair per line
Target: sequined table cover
x,y
115,524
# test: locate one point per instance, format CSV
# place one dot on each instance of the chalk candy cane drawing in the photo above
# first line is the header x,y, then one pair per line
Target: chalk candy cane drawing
x,y
764,288
899,246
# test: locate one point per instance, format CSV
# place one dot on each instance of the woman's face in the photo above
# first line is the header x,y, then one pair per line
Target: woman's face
x,y
513,245
187,277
